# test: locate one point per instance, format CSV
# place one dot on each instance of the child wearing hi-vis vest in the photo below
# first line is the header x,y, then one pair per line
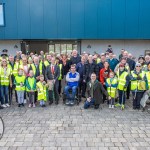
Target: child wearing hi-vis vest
x,y
20,87
41,89
111,84
31,88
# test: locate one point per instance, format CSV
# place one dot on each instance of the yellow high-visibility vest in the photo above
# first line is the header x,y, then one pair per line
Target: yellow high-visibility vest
x,y
138,84
5,76
19,80
111,90
41,91
148,78
122,80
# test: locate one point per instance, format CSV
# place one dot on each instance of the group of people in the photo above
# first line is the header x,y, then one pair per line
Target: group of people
x,y
98,78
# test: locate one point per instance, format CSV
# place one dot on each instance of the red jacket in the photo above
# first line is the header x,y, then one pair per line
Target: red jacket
x,y
104,74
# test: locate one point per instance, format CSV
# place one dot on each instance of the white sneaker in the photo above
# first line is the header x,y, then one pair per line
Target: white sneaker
x,y
112,106
33,105
109,106
30,105
4,106
7,105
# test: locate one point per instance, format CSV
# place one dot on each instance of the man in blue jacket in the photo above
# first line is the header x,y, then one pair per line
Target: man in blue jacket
x,y
72,79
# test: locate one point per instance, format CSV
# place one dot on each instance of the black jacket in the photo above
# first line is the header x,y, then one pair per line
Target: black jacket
x,y
75,60
131,64
49,75
89,69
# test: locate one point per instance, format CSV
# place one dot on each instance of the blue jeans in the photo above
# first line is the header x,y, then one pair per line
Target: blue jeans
x,y
20,95
74,91
88,104
4,94
42,102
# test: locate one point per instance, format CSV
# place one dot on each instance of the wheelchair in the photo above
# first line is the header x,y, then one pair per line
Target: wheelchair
x,y
77,98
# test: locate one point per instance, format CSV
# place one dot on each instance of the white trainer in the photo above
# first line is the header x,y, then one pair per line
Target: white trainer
x,y
7,105
4,106
33,105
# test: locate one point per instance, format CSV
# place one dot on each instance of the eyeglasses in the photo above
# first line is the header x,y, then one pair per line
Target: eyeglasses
x,y
138,66
4,61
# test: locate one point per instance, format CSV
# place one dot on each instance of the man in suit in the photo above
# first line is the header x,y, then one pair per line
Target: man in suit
x,y
52,73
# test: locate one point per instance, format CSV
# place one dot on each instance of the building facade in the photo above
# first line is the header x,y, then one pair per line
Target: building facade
x,y
86,25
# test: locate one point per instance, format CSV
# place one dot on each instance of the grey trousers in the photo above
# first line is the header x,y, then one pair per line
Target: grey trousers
x,y
31,97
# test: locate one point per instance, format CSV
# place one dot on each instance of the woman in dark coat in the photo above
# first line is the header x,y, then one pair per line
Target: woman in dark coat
x,y
95,91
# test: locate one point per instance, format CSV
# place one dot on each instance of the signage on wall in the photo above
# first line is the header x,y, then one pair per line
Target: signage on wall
x,y
1,15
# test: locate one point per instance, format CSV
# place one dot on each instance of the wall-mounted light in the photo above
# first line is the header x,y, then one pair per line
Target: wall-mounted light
x,y
16,46
89,46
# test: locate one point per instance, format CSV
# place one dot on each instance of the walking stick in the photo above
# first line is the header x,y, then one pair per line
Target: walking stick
x,y
111,97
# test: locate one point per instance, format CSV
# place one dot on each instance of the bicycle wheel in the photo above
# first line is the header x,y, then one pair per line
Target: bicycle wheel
x,y
1,127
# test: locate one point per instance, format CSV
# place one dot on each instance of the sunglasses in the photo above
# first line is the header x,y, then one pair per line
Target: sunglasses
x,y
138,66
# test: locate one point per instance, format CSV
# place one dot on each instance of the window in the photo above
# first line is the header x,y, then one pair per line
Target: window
x,y
62,48
1,15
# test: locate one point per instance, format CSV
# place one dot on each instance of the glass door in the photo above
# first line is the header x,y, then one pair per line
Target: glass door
x,y
62,48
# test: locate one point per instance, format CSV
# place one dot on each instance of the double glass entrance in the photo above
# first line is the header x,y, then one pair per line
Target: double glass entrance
x,y
56,46
62,48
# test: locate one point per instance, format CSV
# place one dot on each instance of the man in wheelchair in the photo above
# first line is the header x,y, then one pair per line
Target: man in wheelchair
x,y
72,79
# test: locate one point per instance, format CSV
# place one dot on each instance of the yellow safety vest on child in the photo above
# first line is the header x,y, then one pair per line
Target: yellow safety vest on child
x,y
41,89
111,90
20,83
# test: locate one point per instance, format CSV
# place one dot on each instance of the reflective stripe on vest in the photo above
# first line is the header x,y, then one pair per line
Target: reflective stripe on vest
x,y
138,84
111,90
122,80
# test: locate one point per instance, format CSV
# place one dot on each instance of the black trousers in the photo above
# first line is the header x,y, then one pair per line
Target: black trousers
x,y
11,94
128,90
82,87
136,99
104,96
122,97
59,87
54,95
